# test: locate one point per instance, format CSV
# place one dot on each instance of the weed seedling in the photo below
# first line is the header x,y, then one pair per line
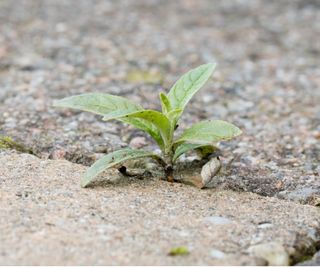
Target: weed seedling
x,y
159,125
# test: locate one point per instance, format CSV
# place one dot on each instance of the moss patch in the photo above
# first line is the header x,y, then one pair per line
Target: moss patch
x,y
6,142
179,251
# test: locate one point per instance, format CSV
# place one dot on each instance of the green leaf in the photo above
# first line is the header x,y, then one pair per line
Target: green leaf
x,y
160,121
112,159
185,147
104,104
165,103
174,116
98,103
209,132
184,89
146,126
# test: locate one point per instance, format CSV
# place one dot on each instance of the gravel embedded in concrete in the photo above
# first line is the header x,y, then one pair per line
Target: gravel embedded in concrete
x,y
266,82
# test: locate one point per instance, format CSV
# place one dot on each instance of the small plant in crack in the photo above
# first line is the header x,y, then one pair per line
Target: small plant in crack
x,y
160,126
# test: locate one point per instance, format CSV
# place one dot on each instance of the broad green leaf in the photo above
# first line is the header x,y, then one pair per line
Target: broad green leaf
x,y
146,126
203,150
165,103
104,104
118,114
112,159
160,121
184,89
98,103
209,132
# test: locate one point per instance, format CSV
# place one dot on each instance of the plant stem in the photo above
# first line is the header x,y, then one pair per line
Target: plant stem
x,y
169,173
168,155
169,166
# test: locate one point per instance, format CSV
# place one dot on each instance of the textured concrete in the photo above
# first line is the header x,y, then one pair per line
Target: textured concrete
x,y
46,218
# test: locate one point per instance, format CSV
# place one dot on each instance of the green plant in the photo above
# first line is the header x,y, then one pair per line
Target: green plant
x,y
159,125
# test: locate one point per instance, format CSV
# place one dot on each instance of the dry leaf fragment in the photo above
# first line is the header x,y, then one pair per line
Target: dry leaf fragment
x,y
209,170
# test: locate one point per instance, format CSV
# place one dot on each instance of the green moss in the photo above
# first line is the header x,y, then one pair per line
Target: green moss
x,y
6,142
179,251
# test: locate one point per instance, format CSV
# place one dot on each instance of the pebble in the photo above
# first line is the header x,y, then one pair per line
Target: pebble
x,y
265,225
274,253
217,220
138,142
58,154
217,254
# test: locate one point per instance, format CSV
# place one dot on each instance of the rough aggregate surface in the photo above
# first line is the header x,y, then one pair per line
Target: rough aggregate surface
x,y
267,82
46,218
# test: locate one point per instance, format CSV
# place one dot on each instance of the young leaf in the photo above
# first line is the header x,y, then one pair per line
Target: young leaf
x,y
159,120
165,103
209,132
174,116
111,160
98,103
184,89
185,147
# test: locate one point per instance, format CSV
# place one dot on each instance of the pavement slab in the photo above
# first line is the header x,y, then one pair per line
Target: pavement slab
x,y
264,202
46,218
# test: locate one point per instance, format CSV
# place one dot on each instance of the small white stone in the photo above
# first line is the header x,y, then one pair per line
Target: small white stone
x,y
274,253
265,225
217,220
138,142
217,254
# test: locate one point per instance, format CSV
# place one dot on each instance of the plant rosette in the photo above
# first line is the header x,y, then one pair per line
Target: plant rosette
x,y
161,126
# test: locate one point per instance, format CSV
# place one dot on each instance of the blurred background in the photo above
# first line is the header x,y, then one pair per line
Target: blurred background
x,y
267,80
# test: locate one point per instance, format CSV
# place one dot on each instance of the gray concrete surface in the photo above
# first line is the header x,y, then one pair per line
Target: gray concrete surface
x,y
267,83
46,218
